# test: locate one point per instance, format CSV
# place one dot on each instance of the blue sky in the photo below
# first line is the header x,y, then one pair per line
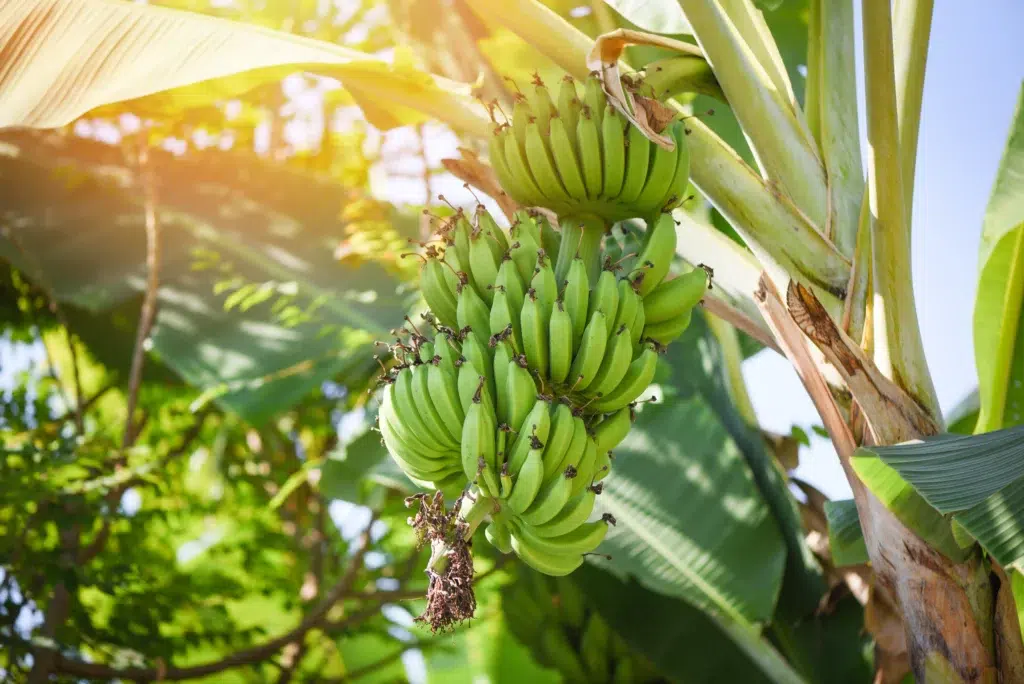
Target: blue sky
x,y
974,73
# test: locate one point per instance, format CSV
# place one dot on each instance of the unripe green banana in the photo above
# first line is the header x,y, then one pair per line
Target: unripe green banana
x,y
590,352
613,139
542,165
473,313
550,239
584,539
673,297
563,152
668,331
424,402
496,150
553,495
492,231
503,355
527,482
605,298
614,365
586,469
638,154
535,333
612,430
509,278
560,350
524,253
604,465
637,379
444,391
656,257
636,329
576,449
483,265
676,194
532,433
568,101
436,293
521,116
478,433
478,354
554,564
542,106
573,514
498,535
521,394
405,407
594,98
559,439
411,455
577,298
543,284
629,302
502,317
520,170
469,381
659,179
588,138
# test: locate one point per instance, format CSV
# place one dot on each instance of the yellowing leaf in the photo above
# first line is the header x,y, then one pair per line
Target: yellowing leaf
x,y
63,58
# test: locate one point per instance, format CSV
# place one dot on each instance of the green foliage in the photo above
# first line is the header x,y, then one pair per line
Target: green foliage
x,y
999,307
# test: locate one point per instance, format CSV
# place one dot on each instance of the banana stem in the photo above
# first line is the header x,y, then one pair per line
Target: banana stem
x,y
581,235
440,548
671,76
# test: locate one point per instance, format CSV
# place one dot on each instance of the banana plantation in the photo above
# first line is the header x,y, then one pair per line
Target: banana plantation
x,y
460,341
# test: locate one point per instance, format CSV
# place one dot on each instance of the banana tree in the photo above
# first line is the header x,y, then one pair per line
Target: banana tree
x,y
818,267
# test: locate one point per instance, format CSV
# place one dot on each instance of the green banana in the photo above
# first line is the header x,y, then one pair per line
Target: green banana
x,y
659,177
527,482
614,365
498,535
535,333
613,139
492,231
563,151
588,139
555,565
508,278
541,104
638,154
478,434
521,115
502,317
590,352
573,514
586,469
551,498
594,98
605,297
532,433
612,430
521,394
667,331
524,253
577,447
542,165
473,313
543,284
404,401
559,343
483,265
629,302
577,298
568,101
637,379
424,402
559,439
503,355
517,165
584,539
657,254
436,293
673,297
444,391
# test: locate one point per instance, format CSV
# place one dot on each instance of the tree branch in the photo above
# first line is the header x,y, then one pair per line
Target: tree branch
x,y
148,314
255,654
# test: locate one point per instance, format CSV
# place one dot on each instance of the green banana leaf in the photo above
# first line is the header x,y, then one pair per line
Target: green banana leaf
x,y
976,480
75,228
654,16
999,306
845,536
64,58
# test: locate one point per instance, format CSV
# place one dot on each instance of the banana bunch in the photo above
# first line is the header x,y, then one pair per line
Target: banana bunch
x,y
554,620
576,155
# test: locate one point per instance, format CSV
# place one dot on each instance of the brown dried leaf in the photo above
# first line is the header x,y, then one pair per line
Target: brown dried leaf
x,y
892,414
604,60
